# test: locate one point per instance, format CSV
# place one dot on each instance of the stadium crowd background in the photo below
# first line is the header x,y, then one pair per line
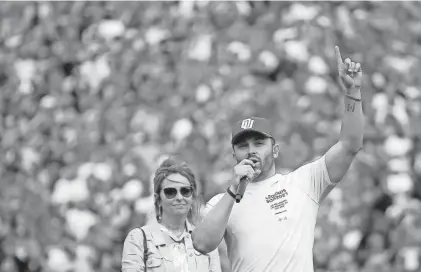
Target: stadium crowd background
x,y
95,94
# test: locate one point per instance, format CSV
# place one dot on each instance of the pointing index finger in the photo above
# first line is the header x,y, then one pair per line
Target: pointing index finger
x,y
338,56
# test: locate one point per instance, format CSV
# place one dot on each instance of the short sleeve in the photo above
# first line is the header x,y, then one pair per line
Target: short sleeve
x,y
313,179
212,203
132,257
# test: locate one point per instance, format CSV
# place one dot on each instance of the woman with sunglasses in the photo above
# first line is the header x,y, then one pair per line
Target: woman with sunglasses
x,y
166,245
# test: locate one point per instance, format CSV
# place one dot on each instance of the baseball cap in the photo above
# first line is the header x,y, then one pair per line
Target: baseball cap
x,y
251,124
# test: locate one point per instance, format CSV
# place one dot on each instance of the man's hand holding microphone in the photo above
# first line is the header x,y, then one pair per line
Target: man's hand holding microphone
x,y
244,172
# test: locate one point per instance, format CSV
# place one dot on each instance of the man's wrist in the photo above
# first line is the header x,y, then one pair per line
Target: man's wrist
x,y
233,188
354,93
355,99
231,192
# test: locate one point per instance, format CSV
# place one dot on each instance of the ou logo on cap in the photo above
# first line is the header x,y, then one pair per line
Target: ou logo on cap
x,y
247,123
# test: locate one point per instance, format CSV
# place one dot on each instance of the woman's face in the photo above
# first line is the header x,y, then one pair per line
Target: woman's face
x,y
176,196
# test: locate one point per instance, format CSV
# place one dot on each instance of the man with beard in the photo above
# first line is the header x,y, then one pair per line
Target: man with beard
x,y
272,228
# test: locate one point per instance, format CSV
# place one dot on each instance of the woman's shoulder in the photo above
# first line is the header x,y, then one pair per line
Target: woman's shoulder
x,y
134,236
137,231
152,226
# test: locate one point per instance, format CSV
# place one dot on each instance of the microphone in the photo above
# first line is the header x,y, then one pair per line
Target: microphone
x,y
244,181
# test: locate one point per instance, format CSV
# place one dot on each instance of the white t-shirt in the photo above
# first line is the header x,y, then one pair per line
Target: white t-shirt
x,y
272,228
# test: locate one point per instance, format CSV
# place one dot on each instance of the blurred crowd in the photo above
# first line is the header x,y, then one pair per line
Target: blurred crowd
x,y
95,94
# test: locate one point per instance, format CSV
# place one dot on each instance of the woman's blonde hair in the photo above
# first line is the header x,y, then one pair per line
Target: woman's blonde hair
x,y
173,165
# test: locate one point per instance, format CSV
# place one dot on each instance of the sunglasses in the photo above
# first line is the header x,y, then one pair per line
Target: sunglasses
x,y
171,192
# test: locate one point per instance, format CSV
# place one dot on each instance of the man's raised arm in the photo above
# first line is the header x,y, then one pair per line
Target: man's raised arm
x,y
340,156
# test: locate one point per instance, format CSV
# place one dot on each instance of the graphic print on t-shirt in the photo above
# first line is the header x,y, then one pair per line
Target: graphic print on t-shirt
x,y
278,204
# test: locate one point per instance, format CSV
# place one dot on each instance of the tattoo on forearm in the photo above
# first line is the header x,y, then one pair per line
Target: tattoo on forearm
x,y
350,107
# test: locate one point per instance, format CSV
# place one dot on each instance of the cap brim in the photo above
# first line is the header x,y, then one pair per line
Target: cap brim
x,y
238,135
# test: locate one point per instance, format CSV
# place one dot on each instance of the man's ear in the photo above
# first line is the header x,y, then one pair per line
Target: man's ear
x,y
275,150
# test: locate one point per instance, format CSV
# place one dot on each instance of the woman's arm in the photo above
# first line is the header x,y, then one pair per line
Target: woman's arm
x,y
132,257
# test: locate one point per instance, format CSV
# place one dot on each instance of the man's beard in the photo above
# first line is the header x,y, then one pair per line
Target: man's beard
x,y
267,162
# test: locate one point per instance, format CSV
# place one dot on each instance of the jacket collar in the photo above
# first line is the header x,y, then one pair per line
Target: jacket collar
x,y
158,235
189,226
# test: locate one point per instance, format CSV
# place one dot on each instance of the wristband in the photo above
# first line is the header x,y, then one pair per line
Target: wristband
x,y
353,98
230,193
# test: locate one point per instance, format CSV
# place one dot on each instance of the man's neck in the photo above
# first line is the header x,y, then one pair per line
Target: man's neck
x,y
265,175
